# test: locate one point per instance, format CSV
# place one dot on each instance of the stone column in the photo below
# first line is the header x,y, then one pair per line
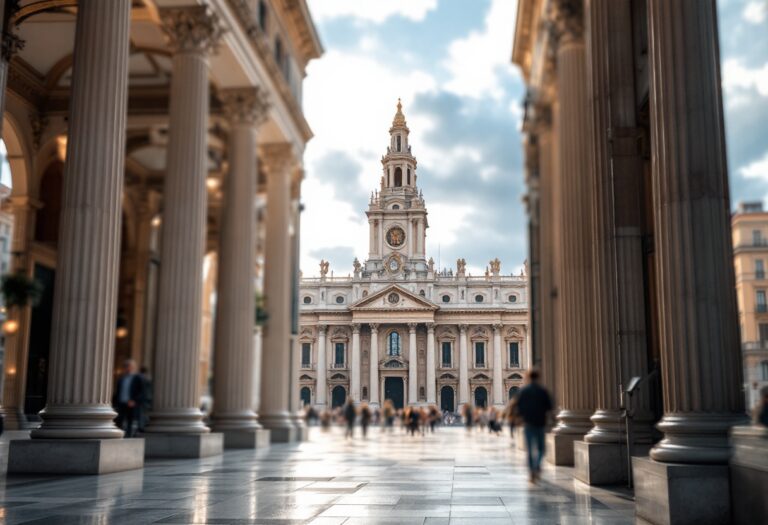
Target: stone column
x,y
233,414
431,384
354,385
698,320
620,341
78,414
279,160
413,367
463,365
176,423
498,382
577,321
374,366
256,369
322,368
9,46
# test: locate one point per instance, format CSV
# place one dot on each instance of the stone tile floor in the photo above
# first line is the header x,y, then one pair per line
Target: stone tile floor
x,y
450,477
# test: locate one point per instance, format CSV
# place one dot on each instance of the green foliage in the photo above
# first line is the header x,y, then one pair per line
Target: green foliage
x,y
18,290
260,312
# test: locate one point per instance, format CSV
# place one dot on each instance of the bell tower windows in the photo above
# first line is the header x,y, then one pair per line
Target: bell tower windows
x,y
398,177
399,144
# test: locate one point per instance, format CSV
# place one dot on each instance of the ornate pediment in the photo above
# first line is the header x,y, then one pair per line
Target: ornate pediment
x,y
446,332
479,333
394,298
481,377
447,376
393,361
338,377
340,334
305,377
515,376
514,333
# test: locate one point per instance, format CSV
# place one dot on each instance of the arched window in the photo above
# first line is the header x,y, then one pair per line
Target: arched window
x,y
305,395
398,177
422,293
307,299
446,298
513,392
409,177
399,143
395,206
263,15
479,298
393,344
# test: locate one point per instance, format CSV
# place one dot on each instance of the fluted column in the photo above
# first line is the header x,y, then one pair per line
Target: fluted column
x,y
322,368
256,369
373,383
463,365
431,384
620,341
576,294
354,384
498,386
234,362
85,297
192,33
279,161
699,335
413,365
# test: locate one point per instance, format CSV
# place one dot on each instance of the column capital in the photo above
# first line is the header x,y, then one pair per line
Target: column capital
x,y
566,20
374,327
430,327
278,158
192,29
497,328
11,44
355,328
463,328
246,105
322,328
412,327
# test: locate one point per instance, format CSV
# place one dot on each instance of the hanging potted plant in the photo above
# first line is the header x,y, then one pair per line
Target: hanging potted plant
x,y
260,311
18,291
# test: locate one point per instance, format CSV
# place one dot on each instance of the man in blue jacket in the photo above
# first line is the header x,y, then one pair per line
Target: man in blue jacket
x,y
128,398
533,403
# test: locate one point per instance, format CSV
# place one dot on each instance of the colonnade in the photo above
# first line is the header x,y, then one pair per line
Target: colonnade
x,y
78,417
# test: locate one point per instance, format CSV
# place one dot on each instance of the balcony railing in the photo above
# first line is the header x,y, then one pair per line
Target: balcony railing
x,y
339,365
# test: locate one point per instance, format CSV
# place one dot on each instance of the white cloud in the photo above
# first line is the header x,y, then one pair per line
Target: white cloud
x,y
757,169
371,10
477,62
755,12
737,76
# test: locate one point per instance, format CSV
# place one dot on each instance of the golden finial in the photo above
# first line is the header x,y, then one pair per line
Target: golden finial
x,y
399,117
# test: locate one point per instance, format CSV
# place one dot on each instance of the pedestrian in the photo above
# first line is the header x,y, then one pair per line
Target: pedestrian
x,y
468,416
434,415
350,414
365,419
128,397
761,410
389,415
533,404
146,405
511,416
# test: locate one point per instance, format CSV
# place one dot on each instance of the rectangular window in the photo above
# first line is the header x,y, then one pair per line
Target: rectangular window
x,y
757,237
763,327
339,355
446,354
306,355
514,354
759,269
479,354
761,304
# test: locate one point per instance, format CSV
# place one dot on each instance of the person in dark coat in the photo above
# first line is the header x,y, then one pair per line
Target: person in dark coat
x,y
365,418
350,414
128,397
533,404
761,410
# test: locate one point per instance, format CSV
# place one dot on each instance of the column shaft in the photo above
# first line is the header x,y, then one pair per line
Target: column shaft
x,y
699,336
463,365
431,384
176,393
413,364
322,368
498,388
373,383
85,298
354,386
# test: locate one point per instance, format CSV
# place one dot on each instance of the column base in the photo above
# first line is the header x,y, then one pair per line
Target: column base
x,y
676,493
184,445
74,456
603,463
280,426
749,474
257,438
559,449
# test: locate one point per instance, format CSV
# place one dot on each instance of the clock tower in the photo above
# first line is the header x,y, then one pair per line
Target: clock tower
x,y
397,217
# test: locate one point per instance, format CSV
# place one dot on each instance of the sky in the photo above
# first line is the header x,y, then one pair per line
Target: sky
x,y
449,61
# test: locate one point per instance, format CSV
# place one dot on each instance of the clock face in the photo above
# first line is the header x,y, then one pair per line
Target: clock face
x,y
395,236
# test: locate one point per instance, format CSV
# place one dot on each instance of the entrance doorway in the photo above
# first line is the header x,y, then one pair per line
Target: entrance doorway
x,y
338,396
305,395
446,399
481,397
393,390
513,392
39,345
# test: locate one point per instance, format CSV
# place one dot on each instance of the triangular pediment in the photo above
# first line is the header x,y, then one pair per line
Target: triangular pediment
x,y
394,298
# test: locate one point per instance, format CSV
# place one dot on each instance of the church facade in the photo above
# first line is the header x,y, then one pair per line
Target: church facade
x,y
399,329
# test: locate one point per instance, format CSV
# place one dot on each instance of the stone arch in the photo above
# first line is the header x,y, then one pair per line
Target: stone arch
x,y
18,155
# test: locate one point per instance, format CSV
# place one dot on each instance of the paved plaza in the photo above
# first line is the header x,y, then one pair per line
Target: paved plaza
x,y
449,477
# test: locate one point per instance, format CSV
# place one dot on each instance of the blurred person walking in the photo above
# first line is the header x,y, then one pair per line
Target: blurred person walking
x,y
533,404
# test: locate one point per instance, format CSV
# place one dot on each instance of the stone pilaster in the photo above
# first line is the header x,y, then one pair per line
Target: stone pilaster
x,y
322,368
413,365
234,358
373,383
9,46
192,32
498,383
463,365
431,384
354,385
279,161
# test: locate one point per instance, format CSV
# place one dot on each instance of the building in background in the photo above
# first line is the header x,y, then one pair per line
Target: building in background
x,y
400,329
750,256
